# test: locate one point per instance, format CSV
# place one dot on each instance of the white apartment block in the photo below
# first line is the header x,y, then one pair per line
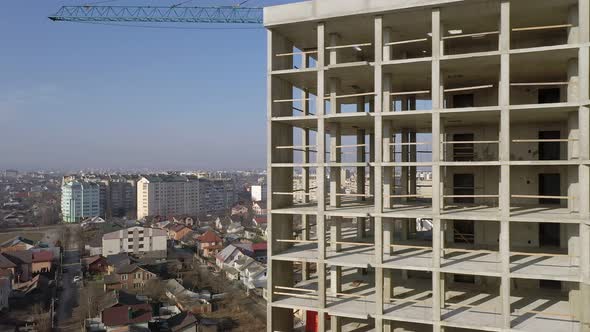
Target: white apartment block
x,y
79,200
172,195
467,123
134,240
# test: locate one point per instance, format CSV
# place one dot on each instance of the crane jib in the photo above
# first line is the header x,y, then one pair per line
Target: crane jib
x,y
224,14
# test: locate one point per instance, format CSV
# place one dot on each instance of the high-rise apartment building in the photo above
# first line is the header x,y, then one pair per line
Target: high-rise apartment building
x,y
488,97
170,195
121,196
79,200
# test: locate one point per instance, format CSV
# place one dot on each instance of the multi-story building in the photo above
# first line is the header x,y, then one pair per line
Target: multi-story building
x,y
121,196
79,200
136,240
490,97
170,195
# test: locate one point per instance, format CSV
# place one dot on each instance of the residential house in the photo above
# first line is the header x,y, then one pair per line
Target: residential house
x,y
227,255
95,264
180,322
185,299
209,244
17,243
130,276
254,276
236,267
221,224
23,261
41,261
137,240
259,208
116,261
123,318
235,228
260,251
239,210
177,231
7,267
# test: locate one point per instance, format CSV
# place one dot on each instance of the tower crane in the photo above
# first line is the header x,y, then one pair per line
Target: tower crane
x,y
160,14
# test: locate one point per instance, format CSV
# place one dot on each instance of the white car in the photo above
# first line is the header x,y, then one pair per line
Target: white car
x,y
77,279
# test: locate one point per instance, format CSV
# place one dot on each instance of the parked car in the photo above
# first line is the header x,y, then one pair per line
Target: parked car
x,y
77,279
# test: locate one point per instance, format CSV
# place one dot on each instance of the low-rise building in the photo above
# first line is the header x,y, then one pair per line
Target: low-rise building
x,y
41,261
177,231
131,276
136,240
97,264
209,244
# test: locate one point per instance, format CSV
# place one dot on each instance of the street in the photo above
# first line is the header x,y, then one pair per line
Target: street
x,y
68,296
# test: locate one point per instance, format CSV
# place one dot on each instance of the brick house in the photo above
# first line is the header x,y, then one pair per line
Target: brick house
x,y
95,264
129,276
209,244
177,231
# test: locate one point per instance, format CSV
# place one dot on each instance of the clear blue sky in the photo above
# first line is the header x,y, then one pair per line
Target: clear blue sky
x,y
81,95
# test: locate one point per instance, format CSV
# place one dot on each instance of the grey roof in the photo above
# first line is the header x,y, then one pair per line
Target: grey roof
x,y
118,259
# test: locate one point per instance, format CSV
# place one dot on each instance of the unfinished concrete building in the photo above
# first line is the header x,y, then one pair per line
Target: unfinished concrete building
x,y
491,97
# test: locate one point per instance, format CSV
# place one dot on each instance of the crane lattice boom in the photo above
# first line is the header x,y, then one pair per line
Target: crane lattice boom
x,y
224,14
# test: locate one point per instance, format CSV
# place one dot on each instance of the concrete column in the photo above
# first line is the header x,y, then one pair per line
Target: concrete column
x,y
335,157
387,35
573,36
334,41
377,176
412,169
320,177
372,156
504,157
335,324
388,181
404,179
360,151
436,185
336,234
361,228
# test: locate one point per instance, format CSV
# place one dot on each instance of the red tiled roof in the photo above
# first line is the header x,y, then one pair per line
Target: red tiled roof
x,y
259,246
42,256
209,236
129,314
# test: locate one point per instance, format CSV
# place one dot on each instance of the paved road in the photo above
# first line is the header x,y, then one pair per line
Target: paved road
x,y
68,297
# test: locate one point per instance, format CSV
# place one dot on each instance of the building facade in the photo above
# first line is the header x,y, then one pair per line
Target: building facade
x,y
79,200
172,195
135,240
490,100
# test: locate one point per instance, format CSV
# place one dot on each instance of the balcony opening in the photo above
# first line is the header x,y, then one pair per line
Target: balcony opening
x,y
549,185
548,149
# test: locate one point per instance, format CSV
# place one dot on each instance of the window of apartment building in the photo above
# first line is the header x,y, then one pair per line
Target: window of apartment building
x,y
549,150
463,184
549,185
123,277
463,100
552,95
463,151
141,246
130,246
